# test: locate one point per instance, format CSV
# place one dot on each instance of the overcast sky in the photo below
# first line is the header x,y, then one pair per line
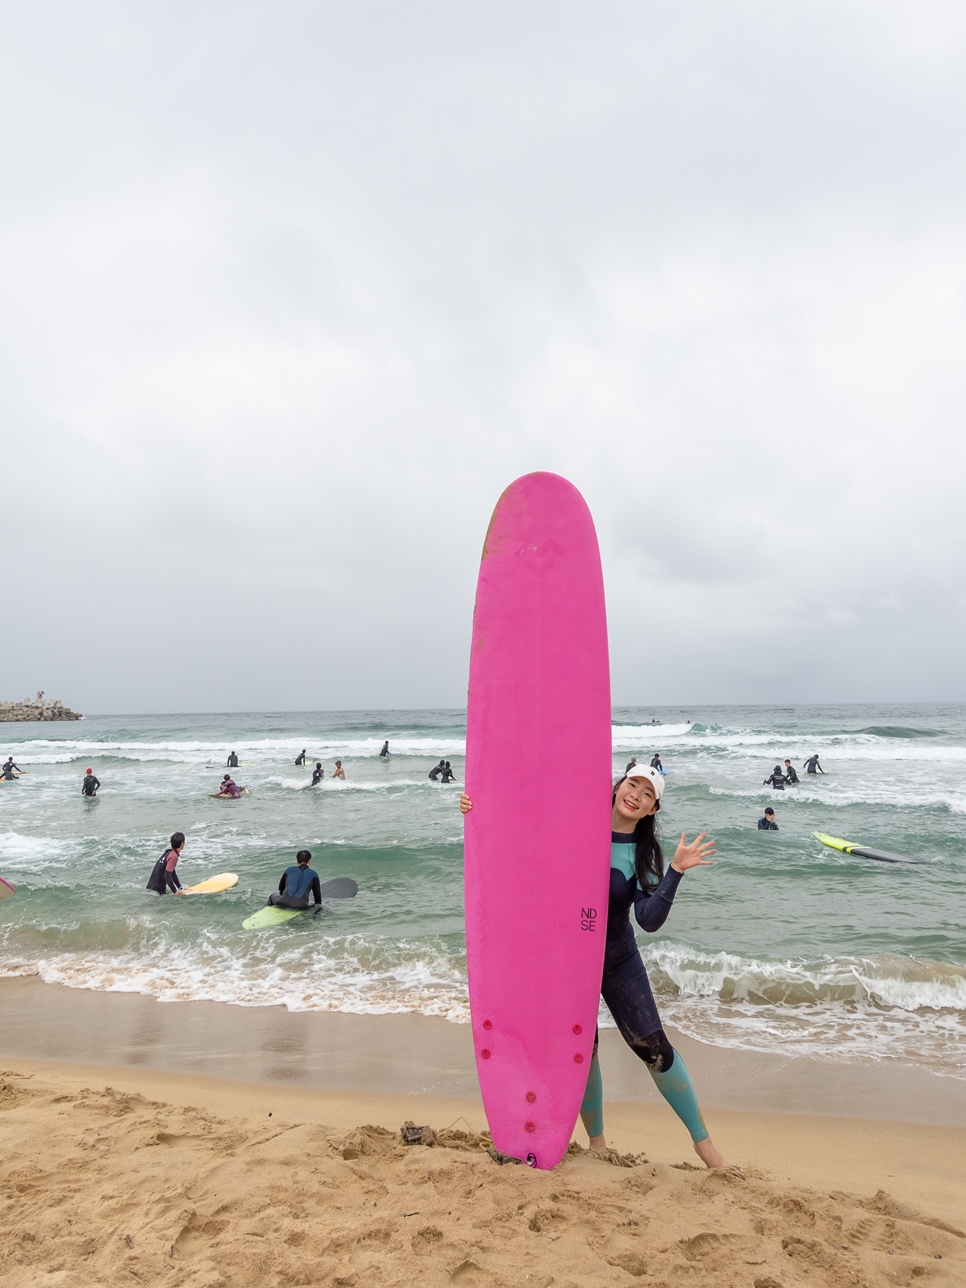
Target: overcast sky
x,y
290,292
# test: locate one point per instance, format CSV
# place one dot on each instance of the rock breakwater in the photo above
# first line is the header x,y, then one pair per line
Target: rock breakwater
x,y
27,710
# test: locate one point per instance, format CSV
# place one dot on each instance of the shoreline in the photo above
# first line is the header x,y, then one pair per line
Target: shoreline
x,y
417,1055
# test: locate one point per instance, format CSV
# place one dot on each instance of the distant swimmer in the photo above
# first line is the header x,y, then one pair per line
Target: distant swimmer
x,y
630,764
300,758
90,784
768,824
776,778
790,775
338,772
447,775
232,761
9,769
297,883
656,763
229,787
385,748
318,773
436,770
163,875
812,766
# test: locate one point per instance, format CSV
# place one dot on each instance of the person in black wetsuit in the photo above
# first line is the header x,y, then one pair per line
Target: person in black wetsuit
x,y
385,748
300,758
297,883
630,764
90,784
790,775
776,778
318,773
768,824
232,761
436,770
656,762
812,766
447,775
164,876
638,880
8,769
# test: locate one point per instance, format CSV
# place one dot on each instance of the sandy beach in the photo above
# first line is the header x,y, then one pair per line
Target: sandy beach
x,y
292,1169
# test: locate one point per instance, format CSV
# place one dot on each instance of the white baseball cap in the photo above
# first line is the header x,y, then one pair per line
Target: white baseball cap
x,y
645,771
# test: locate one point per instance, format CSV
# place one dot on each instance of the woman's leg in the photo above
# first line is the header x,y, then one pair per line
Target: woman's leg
x,y
592,1106
627,992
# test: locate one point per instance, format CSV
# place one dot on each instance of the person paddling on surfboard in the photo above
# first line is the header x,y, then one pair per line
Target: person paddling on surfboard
x,y
637,877
297,883
163,875
229,787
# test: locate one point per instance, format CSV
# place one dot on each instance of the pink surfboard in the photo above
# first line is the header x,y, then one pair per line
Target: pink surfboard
x,y
6,890
537,841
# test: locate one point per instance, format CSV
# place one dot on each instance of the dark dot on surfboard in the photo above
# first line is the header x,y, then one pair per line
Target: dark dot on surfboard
x,y
578,1058
529,1127
485,1054
488,1024
578,1029
531,1097
269,1113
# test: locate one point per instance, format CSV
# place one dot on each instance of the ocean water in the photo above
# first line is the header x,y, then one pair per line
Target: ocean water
x,y
782,945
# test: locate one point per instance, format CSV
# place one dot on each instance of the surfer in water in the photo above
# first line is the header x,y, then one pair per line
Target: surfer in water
x,y
630,764
776,778
9,769
232,760
300,758
318,773
90,784
338,772
447,775
656,763
436,770
385,749
638,879
297,883
812,766
163,875
229,787
768,824
790,775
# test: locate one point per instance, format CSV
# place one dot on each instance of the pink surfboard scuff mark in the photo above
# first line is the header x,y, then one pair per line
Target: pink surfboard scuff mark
x,y
537,841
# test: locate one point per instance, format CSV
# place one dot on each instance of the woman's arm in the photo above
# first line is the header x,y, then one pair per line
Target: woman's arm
x,y
651,910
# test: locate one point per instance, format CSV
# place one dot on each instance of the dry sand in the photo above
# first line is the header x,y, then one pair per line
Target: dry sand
x,y
172,1179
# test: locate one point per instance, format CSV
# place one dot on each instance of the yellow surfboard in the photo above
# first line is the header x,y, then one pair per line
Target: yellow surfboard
x,y
224,881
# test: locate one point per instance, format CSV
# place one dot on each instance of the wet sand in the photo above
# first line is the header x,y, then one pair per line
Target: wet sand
x,y
418,1055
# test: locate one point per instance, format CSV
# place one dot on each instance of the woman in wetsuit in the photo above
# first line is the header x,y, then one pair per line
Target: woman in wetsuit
x,y
638,879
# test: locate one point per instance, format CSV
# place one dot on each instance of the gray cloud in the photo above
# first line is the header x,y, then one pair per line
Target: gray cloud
x,y
290,296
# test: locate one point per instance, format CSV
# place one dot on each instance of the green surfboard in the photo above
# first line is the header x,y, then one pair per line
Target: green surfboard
x,y
269,917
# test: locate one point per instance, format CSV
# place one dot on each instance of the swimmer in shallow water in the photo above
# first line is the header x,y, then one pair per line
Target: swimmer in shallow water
x,y
297,883
318,773
638,879
90,784
338,772
163,875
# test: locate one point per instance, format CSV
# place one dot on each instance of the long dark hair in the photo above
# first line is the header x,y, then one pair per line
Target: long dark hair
x,y
648,855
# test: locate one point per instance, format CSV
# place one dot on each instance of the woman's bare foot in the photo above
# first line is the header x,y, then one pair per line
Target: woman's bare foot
x,y
706,1151
598,1144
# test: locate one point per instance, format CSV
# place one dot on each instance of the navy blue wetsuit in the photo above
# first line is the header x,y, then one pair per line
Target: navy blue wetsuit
x,y
625,986
627,991
296,885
